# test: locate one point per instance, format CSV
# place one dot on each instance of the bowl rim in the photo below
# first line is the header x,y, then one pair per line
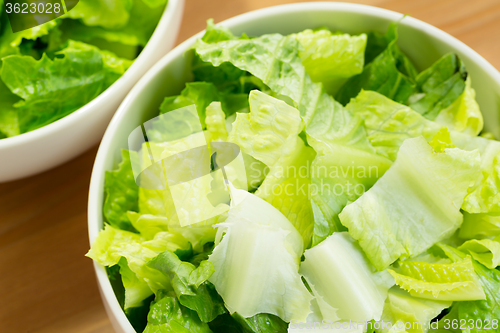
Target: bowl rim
x,y
76,116
97,177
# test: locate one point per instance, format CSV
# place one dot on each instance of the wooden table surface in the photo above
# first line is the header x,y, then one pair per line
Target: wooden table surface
x,y
46,283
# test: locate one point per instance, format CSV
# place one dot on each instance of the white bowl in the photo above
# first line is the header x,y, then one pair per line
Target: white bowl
x,y
33,152
422,42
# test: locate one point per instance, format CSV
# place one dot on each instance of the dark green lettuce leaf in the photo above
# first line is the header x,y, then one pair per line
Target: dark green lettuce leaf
x,y
121,194
52,89
439,86
190,284
390,72
167,315
261,323
479,316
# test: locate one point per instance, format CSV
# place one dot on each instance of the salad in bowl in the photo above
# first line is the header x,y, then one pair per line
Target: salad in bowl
x,y
310,181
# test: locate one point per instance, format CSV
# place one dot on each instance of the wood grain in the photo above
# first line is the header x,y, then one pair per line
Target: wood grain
x,y
46,283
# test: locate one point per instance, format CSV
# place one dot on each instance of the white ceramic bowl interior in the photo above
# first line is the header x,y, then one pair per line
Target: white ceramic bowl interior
x,y
422,42
33,152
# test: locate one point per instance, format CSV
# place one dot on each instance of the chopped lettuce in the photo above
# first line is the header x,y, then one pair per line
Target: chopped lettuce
x,y
367,189
329,57
256,262
485,251
401,307
343,280
439,281
79,75
414,205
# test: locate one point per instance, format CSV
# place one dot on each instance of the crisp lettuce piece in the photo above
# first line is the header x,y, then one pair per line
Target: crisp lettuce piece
x,y
341,276
9,123
439,281
111,245
330,57
69,82
190,284
485,251
414,205
401,307
216,122
390,72
121,194
483,311
265,132
256,262
480,226
167,315
200,94
439,86
136,290
274,59
11,43
463,115
389,124
105,13
291,198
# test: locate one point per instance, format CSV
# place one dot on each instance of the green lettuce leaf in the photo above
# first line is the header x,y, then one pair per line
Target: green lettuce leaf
x,y
265,132
463,115
76,76
111,245
480,226
9,123
485,251
401,307
256,262
11,43
167,315
439,86
389,73
480,312
121,194
331,58
190,285
261,323
439,281
389,124
341,276
414,205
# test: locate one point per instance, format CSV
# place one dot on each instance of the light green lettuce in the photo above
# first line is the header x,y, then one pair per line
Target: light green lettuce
x,y
256,262
329,57
485,251
439,281
343,281
400,307
414,205
480,226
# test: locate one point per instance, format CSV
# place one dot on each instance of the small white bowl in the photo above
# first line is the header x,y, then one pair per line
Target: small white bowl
x,y
44,148
422,42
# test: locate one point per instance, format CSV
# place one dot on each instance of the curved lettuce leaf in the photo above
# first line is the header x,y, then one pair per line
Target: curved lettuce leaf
x,y
111,245
483,311
463,115
167,315
51,89
190,284
256,262
485,251
401,307
121,194
341,276
331,58
269,127
438,281
390,72
414,205
480,226
389,124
